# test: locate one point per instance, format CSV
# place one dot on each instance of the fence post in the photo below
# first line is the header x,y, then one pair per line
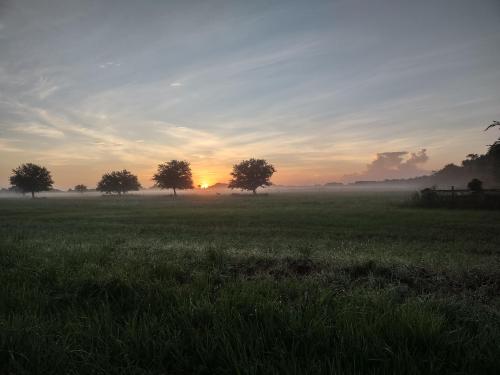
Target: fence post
x,y
453,195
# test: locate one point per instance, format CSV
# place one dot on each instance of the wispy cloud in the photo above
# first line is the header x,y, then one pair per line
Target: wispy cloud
x,y
39,130
44,88
7,145
109,64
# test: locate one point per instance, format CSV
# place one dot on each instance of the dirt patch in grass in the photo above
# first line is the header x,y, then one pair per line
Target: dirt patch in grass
x,y
416,279
277,268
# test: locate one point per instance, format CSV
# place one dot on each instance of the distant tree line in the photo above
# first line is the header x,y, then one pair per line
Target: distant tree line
x,y
175,174
485,167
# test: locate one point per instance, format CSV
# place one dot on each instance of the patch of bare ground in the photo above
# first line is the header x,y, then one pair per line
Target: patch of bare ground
x,y
409,278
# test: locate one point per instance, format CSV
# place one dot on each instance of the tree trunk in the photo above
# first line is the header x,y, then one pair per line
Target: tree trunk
x,y
254,191
33,194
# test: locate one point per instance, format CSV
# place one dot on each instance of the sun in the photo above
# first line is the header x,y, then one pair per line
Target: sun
x,y
204,185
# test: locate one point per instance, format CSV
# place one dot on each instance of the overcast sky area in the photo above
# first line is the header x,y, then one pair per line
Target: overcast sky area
x,y
325,90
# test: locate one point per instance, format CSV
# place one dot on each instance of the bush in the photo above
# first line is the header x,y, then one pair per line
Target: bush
x,y
475,185
476,199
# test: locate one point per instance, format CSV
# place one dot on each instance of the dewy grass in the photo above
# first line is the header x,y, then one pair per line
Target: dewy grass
x,y
314,283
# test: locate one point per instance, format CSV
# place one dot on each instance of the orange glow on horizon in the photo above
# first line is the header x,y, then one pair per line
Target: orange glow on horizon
x,y
205,175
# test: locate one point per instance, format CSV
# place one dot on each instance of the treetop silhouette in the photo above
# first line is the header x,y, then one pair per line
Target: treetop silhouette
x,y
251,174
31,178
119,182
175,175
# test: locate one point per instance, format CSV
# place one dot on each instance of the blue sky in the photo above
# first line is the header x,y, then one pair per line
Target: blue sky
x,y
318,88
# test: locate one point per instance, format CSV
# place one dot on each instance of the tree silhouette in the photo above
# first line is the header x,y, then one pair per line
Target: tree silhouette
x,y
119,182
176,174
475,185
81,188
493,124
31,178
494,152
251,174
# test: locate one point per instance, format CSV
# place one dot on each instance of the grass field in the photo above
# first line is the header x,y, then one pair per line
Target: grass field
x,y
340,283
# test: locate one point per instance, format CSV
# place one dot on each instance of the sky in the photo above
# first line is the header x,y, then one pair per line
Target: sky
x,y
324,90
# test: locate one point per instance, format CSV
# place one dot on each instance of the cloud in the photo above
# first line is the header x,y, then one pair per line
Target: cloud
x,y
40,130
6,146
392,165
417,158
110,64
44,88
176,84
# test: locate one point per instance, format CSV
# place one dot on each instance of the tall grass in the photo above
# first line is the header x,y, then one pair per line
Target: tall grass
x,y
338,284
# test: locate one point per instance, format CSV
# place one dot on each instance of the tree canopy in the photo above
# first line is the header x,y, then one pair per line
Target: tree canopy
x,y
493,124
81,188
485,167
31,178
251,174
494,153
118,182
475,185
175,174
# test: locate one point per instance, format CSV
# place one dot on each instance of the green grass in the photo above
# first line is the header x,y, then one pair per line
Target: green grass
x,y
340,283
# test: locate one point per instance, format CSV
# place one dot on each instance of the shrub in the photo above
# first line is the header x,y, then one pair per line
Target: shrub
x,y
475,185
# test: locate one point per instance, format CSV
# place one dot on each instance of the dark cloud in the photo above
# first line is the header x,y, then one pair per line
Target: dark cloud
x,y
390,165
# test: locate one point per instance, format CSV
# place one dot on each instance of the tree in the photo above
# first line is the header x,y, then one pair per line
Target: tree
x,y
81,188
119,182
475,185
176,174
493,124
31,178
494,153
251,174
